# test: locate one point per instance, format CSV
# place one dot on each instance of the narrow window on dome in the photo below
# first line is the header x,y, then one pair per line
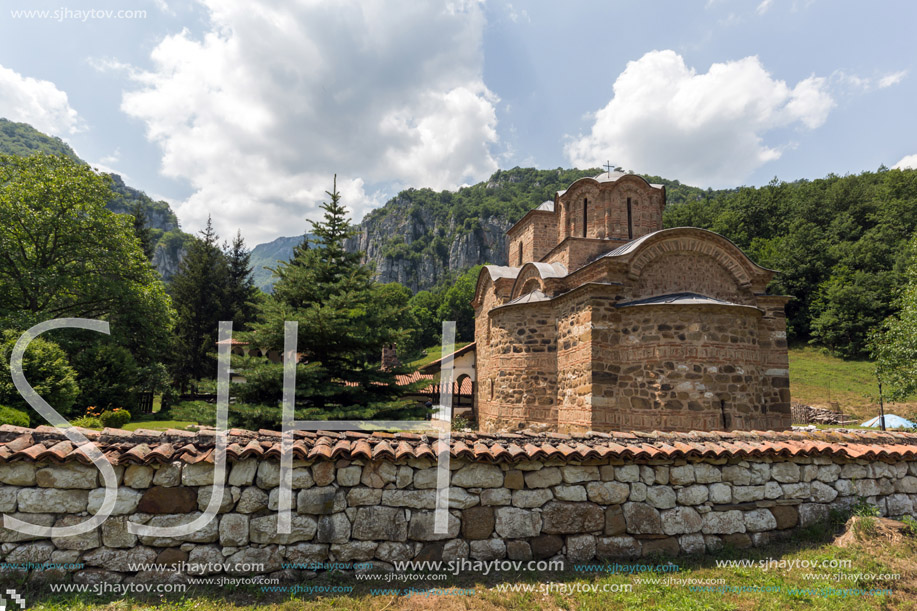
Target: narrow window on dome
x,y
630,221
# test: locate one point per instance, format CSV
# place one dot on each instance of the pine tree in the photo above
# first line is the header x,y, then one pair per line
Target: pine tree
x,y
242,296
142,230
344,319
199,296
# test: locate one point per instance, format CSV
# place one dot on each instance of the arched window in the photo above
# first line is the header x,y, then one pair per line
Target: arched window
x,y
630,221
491,389
520,254
585,217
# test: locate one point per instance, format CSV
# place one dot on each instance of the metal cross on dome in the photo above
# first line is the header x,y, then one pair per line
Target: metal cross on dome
x,y
608,167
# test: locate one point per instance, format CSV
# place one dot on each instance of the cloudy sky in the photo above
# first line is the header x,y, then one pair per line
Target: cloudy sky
x,y
244,109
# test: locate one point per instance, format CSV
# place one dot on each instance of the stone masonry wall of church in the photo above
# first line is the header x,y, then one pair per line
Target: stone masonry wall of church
x,y
683,272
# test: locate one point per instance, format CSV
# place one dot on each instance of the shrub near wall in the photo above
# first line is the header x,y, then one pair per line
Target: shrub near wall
x,y
371,498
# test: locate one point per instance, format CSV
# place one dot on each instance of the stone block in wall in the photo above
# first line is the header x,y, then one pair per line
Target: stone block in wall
x,y
199,474
363,496
681,521
758,520
545,546
116,534
421,527
637,492
489,549
577,475
665,547
390,551
854,471
614,548
496,497
822,493
126,500
899,505
642,519
580,548
515,523
264,529
334,528
864,487
627,473
84,541
661,497
456,549
378,473
207,533
607,493
693,495
845,487
785,516
30,552
614,521
572,518
543,478
17,473
692,544
322,500
39,500
760,473
404,478
162,500
323,473
828,473
801,490
723,522
570,493
168,475
812,513
682,475
518,550
514,480
12,536
531,498
415,499
737,540
706,474
242,473
306,553
68,475
268,557
252,500
138,476
119,559
234,529
907,484
478,522
382,523
785,472
739,476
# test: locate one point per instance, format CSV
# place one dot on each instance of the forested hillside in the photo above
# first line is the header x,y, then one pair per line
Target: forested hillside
x,y
839,244
169,241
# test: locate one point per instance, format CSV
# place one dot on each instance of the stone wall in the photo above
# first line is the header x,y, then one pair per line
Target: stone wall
x,y
358,509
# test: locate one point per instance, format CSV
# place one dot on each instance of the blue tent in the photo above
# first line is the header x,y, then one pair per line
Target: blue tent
x,y
891,422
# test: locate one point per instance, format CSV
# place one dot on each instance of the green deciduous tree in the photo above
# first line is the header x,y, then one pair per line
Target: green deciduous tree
x,y
894,344
47,370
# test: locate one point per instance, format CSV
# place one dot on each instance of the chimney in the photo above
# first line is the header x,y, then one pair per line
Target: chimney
x,y
389,357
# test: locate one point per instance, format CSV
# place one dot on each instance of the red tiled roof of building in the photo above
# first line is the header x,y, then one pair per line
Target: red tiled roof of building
x,y
147,446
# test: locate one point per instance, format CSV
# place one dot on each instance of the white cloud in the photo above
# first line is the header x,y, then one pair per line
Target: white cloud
x,y
703,129
764,6
907,163
892,79
39,103
259,113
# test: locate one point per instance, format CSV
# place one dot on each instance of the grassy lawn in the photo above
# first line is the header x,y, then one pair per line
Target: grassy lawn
x,y
820,379
868,582
158,425
435,353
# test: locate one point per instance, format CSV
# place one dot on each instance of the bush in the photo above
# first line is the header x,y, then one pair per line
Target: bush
x,y
87,422
109,376
8,415
46,368
115,418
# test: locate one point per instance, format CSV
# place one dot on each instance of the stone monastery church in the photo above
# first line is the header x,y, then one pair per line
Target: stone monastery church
x,y
606,321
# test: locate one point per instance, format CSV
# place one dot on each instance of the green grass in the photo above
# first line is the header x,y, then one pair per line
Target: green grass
x,y
649,590
434,353
817,378
158,425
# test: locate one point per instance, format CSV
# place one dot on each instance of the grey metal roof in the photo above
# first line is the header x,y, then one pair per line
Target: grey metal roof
x,y
677,299
532,297
630,246
551,270
501,271
611,177
548,205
